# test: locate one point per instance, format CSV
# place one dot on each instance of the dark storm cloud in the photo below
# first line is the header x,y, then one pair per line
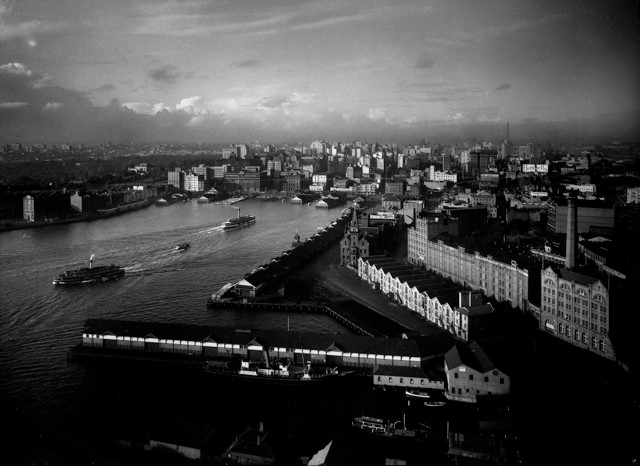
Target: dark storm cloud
x,y
167,74
502,87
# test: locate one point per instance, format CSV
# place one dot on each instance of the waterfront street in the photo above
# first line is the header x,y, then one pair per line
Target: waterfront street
x,y
327,270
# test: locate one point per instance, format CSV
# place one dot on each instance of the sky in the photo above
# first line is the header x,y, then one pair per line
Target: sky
x,y
276,71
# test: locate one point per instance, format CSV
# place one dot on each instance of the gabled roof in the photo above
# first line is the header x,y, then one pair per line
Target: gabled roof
x,y
390,197
478,310
246,283
471,356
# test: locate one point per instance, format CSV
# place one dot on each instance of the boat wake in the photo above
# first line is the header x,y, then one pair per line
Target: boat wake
x,y
135,270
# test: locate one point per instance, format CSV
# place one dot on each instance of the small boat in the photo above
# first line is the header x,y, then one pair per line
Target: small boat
x,y
183,246
434,403
416,393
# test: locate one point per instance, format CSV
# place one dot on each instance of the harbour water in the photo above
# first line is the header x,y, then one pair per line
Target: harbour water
x,y
40,322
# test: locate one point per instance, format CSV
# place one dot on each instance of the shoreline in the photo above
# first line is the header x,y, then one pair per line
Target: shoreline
x,y
89,217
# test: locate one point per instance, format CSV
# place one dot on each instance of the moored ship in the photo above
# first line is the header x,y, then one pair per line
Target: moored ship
x,y
90,274
389,429
280,373
239,221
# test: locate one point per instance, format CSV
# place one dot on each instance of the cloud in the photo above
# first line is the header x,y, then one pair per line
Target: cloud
x,y
425,62
376,114
28,29
105,88
502,87
15,69
457,117
195,105
52,106
13,104
249,63
287,100
144,108
165,74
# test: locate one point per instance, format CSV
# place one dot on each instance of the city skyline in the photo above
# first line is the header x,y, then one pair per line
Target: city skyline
x,y
199,71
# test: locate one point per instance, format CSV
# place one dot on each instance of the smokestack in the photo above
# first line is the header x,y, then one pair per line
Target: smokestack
x,y
572,238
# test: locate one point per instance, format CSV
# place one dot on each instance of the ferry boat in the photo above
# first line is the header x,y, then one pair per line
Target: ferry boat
x,y
239,221
282,373
89,274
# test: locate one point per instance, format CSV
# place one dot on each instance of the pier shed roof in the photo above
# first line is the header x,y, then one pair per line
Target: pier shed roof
x,y
271,338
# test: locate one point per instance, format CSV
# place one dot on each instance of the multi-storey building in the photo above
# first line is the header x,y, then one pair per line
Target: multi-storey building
x,y
354,245
176,178
394,187
506,282
470,373
575,309
28,208
200,170
460,312
251,181
633,195
590,213
193,183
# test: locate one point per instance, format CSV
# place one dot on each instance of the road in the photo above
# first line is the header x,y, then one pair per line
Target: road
x,y
326,269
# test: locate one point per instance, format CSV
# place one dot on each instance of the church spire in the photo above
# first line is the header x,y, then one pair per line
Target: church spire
x,y
353,226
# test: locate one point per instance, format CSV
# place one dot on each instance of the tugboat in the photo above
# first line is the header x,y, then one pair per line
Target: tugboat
x,y
183,246
238,222
90,274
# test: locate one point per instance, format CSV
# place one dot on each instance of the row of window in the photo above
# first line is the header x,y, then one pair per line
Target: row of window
x,y
486,378
401,380
582,337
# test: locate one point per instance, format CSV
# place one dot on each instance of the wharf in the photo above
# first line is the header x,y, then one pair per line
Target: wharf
x,y
229,201
352,322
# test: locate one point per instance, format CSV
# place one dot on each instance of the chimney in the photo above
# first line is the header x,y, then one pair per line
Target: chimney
x,y
464,298
572,238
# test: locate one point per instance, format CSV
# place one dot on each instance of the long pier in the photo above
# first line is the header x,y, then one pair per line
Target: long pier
x,y
348,321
